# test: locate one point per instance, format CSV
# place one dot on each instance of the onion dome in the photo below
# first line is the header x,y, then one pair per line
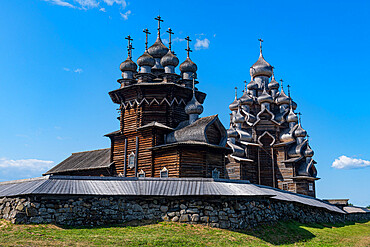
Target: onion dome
x,y
273,83
128,65
232,133
265,98
292,117
234,106
158,49
238,117
246,99
294,105
282,98
261,67
300,132
252,85
188,66
169,60
194,107
308,152
146,60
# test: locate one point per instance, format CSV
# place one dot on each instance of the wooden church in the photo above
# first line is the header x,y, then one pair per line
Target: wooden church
x,y
268,142
161,134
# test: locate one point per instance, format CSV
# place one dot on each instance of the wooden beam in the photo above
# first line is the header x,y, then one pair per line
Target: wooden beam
x,y
136,155
125,160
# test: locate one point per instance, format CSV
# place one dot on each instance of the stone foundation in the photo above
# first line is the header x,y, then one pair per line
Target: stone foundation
x,y
230,213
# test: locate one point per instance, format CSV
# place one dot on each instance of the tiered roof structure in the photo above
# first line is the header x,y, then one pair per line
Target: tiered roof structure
x,y
266,135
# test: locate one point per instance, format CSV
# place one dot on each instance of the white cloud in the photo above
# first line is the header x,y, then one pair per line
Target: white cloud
x,y
78,70
27,168
344,162
126,14
102,10
61,3
88,4
201,44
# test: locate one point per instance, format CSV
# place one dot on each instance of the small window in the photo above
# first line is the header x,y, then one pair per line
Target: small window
x,y
164,173
131,160
141,174
120,174
285,186
310,186
215,174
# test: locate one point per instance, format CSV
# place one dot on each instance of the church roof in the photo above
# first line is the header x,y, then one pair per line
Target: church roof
x,y
87,160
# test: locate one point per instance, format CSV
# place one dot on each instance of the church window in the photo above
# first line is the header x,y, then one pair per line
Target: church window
x,y
141,174
215,174
131,160
164,173
285,186
310,186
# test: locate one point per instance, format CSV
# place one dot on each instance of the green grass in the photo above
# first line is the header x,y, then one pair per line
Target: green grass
x,y
173,234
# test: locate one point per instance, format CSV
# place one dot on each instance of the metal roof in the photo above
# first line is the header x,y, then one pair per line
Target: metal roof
x,y
83,161
353,209
110,186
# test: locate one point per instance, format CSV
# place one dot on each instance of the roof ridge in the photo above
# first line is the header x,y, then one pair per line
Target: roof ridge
x,y
91,150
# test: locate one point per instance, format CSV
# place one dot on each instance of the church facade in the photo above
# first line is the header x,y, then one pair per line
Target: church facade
x,y
161,134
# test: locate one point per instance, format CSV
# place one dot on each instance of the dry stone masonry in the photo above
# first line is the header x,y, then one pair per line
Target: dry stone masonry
x,y
224,212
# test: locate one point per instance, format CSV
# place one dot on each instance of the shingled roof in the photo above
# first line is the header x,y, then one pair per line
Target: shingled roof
x,y
87,160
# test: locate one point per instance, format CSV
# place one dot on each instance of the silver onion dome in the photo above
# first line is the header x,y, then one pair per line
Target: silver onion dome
x,y
188,66
308,152
252,85
282,98
169,60
292,117
261,67
246,99
273,83
265,98
294,105
232,133
238,117
300,132
146,60
193,107
234,105
128,65
158,49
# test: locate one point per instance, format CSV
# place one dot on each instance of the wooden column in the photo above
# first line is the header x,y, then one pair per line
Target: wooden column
x,y
125,160
136,155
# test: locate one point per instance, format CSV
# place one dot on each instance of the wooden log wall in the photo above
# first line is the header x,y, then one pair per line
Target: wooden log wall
x,y
169,159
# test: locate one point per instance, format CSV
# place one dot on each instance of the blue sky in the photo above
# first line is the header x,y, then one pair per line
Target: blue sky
x,y
60,58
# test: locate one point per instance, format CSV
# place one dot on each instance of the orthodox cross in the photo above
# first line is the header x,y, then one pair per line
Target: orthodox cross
x,y
169,31
299,114
146,31
281,80
260,40
236,92
129,46
245,86
159,19
188,49
288,90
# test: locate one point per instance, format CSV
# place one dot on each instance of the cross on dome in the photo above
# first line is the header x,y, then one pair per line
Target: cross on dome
x,y
159,19
169,31
188,48
129,46
146,31
260,40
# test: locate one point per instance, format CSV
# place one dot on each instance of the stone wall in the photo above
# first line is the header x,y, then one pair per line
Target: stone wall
x,y
232,213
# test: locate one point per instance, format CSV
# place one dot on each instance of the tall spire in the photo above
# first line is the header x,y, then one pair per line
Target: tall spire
x,y
169,31
146,31
236,92
245,86
288,90
188,45
129,46
159,19
260,40
299,117
282,87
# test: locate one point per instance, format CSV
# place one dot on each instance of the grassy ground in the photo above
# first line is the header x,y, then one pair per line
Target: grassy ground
x,y
173,234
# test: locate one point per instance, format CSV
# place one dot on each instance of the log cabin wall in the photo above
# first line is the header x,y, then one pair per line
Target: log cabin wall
x,y
169,158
